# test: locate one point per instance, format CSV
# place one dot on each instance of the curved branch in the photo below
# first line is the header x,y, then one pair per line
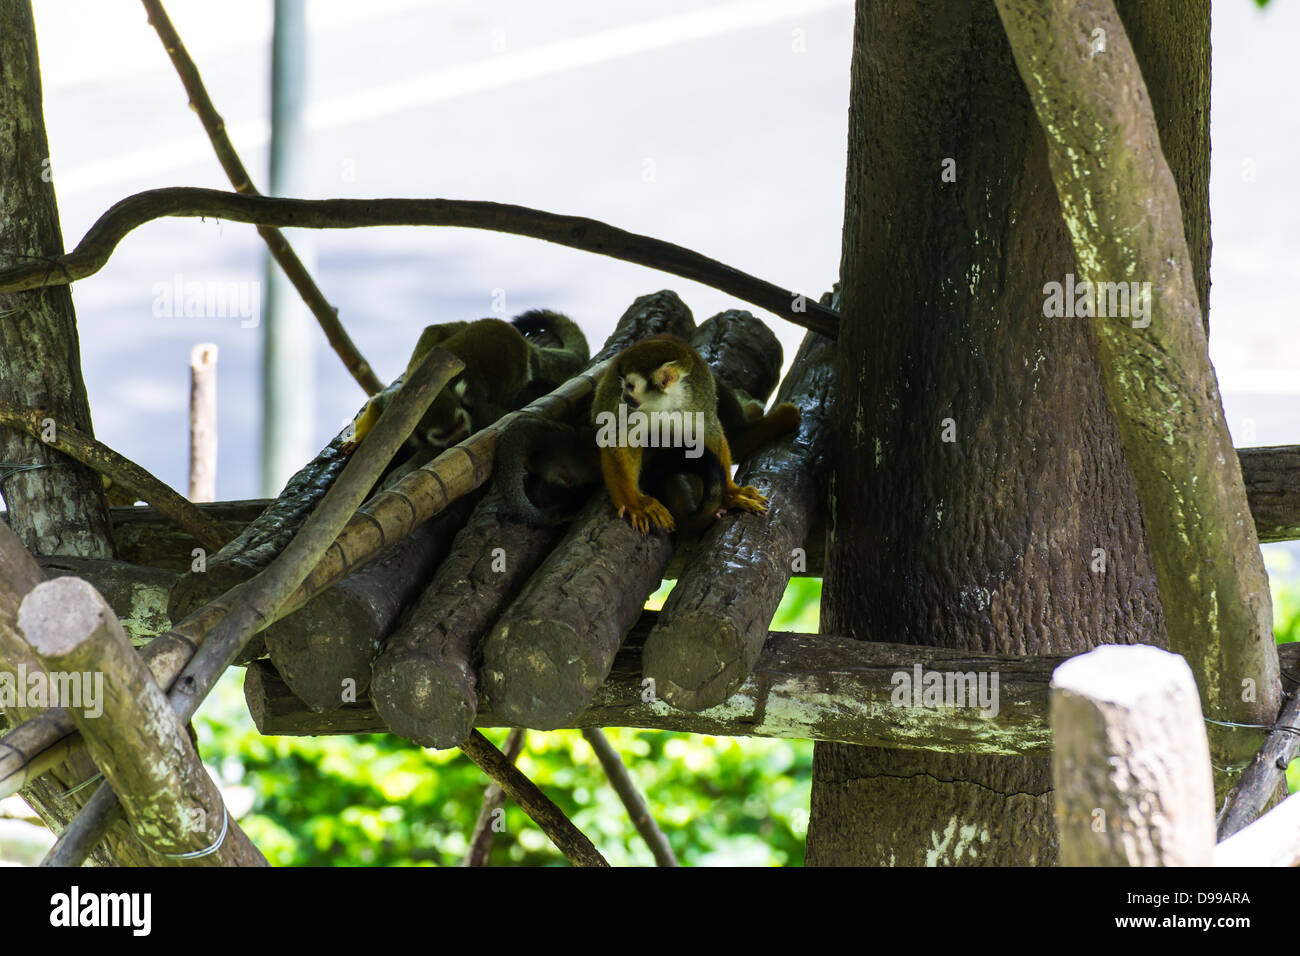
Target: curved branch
x,y
575,232
124,472
326,315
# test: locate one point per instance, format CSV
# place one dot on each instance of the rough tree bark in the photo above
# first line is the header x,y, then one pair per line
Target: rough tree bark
x,y
58,508
980,497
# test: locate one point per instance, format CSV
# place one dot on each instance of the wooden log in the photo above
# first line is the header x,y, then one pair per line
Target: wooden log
x,y
1131,761
42,734
806,686
424,684
715,621
143,536
172,803
742,351
137,595
1272,840
1272,476
324,650
556,643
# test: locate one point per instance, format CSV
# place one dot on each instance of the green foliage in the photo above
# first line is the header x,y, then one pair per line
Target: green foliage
x,y
1284,583
381,801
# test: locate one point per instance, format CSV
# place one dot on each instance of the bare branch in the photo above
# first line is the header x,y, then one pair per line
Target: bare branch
x,y
625,787
480,843
567,838
279,247
575,232
122,471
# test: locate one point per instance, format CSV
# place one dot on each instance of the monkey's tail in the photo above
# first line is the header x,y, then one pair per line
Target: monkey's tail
x,y
521,449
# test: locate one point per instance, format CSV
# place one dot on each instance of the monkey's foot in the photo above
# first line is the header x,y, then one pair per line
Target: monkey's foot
x,y
647,513
746,498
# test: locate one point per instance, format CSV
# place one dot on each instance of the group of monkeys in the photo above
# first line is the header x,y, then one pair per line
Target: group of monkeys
x,y
545,470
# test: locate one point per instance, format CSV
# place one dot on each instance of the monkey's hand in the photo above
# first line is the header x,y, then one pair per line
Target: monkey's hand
x,y
647,512
364,422
745,498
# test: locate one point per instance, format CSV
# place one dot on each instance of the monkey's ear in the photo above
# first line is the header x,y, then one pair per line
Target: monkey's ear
x,y
668,374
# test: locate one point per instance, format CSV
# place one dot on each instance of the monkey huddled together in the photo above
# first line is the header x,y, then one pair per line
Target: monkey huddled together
x,y
546,470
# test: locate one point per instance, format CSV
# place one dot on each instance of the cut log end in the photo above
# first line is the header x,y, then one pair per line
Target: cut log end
x,y
539,673
59,616
697,661
314,652
422,702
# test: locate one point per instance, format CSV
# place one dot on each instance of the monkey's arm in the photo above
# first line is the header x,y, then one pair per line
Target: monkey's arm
x,y
621,467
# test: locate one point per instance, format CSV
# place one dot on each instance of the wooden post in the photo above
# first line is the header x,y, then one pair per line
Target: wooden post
x,y
1272,840
203,422
142,749
1131,765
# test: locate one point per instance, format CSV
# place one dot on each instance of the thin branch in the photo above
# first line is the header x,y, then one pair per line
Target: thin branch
x,y
124,472
567,838
480,843
623,785
83,834
1265,773
575,232
279,247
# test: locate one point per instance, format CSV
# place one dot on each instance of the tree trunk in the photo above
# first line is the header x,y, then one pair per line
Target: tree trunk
x,y
980,499
58,508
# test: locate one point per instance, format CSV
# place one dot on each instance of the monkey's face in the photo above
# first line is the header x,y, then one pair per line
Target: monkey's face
x,y
662,389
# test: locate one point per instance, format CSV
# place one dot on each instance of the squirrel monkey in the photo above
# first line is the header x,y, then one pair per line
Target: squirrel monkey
x,y
507,365
664,374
